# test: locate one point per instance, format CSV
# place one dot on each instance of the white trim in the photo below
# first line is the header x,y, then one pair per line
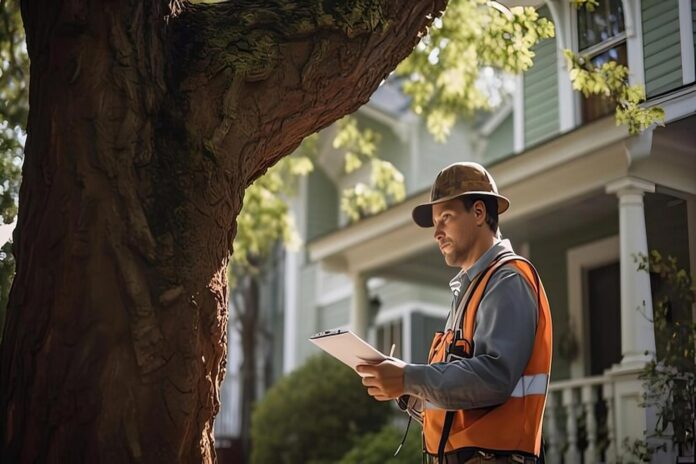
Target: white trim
x,y
630,183
414,146
398,125
400,310
578,261
686,30
577,97
407,327
518,115
291,299
566,96
677,104
602,47
496,119
293,261
344,292
633,20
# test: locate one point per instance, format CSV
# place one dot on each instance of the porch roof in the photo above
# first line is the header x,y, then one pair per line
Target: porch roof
x,y
554,176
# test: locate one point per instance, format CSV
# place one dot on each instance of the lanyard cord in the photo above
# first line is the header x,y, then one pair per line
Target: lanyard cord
x,y
405,435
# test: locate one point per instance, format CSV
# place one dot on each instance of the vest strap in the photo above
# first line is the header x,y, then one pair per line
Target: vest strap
x,y
446,427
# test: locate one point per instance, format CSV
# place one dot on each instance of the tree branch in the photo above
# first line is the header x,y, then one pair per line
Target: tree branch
x,y
257,76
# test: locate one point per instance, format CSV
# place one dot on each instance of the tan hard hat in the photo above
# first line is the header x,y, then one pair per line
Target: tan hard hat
x,y
456,180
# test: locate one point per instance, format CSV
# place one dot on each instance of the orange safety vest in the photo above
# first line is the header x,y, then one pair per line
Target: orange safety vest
x,y
515,425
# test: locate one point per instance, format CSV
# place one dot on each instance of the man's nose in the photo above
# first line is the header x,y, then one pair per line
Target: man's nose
x,y
438,232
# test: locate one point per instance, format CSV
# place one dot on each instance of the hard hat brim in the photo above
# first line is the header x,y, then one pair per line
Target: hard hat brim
x,y
423,213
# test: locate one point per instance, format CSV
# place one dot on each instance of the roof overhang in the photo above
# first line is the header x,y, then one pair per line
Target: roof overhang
x,y
543,178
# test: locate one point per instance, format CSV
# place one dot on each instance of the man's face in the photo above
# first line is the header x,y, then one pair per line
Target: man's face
x,y
455,230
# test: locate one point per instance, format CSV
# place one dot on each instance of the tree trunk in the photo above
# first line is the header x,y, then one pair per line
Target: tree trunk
x,y
147,121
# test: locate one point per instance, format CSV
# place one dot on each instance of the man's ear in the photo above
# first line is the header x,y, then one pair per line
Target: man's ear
x,y
480,212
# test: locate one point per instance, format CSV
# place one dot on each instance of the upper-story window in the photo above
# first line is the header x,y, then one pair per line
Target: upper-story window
x,y
601,38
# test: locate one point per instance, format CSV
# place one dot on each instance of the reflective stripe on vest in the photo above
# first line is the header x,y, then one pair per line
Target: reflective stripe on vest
x,y
514,425
531,385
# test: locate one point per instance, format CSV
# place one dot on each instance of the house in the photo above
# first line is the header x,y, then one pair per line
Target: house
x,y
586,197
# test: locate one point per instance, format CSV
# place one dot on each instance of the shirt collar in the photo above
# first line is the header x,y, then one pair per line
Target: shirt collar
x,y
463,277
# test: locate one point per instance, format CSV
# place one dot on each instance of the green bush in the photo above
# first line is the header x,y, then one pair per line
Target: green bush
x,y
314,415
379,448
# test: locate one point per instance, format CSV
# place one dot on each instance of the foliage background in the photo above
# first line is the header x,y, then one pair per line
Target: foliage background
x,y
14,108
314,415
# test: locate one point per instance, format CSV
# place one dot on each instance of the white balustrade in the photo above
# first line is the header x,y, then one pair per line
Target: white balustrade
x,y
551,431
576,429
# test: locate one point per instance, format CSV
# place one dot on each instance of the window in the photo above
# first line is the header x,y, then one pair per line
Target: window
x,y
601,38
388,334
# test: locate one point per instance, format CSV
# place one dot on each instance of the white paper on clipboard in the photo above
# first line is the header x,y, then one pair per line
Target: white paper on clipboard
x,y
347,347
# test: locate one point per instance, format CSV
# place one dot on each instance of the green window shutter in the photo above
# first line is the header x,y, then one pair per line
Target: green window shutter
x,y
661,46
541,118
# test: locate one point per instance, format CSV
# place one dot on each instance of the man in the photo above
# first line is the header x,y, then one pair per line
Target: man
x,y
481,396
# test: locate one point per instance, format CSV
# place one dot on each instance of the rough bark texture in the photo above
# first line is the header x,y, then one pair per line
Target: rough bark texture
x,y
147,121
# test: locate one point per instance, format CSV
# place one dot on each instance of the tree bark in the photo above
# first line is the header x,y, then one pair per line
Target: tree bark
x,y
147,121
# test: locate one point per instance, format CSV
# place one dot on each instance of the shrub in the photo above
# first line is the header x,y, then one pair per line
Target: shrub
x,y
379,448
314,415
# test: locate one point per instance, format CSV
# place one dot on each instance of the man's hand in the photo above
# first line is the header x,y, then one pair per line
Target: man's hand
x,y
384,381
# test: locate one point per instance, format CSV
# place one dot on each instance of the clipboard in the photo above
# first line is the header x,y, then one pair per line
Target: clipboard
x,y
347,347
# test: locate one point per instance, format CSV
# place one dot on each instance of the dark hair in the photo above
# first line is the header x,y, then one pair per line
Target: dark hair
x,y
491,208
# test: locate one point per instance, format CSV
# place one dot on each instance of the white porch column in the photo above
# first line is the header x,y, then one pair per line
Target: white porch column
x,y
359,305
637,333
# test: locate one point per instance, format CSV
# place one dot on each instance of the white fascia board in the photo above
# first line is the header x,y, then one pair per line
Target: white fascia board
x,y
686,31
560,150
678,104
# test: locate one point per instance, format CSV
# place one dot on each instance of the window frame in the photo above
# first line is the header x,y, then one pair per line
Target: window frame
x,y
594,50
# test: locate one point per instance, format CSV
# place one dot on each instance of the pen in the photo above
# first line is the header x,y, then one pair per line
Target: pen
x,y
391,352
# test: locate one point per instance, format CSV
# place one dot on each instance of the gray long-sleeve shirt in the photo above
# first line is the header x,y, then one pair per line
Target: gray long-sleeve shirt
x,y
503,341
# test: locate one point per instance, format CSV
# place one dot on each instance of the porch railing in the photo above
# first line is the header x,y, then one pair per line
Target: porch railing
x,y
579,425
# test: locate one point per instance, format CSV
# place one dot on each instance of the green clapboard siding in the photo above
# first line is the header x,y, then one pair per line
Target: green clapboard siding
x,y
541,92
501,141
322,205
661,46
335,315
423,329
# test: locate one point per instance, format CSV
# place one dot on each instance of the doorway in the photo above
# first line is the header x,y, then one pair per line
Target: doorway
x,y
603,284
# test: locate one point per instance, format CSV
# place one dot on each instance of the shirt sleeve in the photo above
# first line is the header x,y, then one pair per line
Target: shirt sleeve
x,y
506,323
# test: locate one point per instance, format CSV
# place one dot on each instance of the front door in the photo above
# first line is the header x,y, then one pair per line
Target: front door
x,y
604,300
